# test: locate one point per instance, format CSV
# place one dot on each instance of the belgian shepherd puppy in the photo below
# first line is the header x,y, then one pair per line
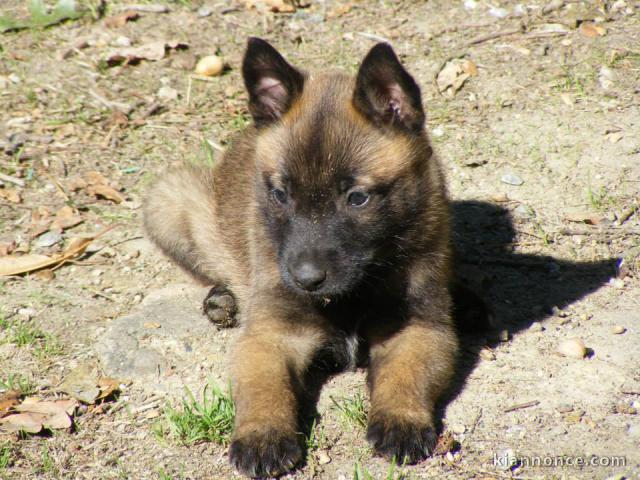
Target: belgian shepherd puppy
x,y
326,226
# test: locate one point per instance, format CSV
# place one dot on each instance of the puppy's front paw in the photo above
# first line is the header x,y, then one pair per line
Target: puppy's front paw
x,y
220,307
265,454
407,441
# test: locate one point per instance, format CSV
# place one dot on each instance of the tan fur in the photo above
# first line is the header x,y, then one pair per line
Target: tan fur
x,y
208,222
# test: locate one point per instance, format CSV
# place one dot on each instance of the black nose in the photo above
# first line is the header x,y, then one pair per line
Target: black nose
x,y
309,276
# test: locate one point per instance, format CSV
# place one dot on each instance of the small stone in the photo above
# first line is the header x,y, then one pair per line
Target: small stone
x,y
14,78
488,355
137,298
524,211
573,348
204,11
323,457
210,66
438,131
498,12
458,428
27,313
564,408
167,93
122,41
97,272
618,330
48,239
536,327
449,457
504,335
511,179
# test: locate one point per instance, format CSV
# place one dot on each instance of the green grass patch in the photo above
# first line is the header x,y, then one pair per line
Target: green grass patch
x,y
316,439
209,419
395,472
40,16
23,334
17,382
6,456
352,409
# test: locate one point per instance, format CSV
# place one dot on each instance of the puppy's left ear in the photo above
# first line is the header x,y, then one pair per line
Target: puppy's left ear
x,y
273,84
385,93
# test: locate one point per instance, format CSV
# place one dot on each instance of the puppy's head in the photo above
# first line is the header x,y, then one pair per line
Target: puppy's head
x,y
341,164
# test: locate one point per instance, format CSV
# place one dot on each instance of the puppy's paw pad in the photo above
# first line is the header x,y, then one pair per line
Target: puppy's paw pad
x,y
220,306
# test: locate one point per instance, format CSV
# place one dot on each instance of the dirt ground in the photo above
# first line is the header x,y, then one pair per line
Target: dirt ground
x,y
541,145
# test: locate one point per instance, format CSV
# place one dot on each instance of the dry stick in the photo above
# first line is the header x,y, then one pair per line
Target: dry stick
x,y
519,406
493,36
10,179
626,215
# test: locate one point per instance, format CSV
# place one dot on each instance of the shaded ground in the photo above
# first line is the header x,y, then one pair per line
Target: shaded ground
x,y
554,105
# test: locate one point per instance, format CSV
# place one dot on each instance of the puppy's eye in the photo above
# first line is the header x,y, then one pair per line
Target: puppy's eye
x,y
279,196
358,199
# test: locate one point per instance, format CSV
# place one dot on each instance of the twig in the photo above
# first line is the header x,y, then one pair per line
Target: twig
x,y
520,406
216,145
543,34
99,294
626,215
146,8
125,107
372,36
10,179
492,36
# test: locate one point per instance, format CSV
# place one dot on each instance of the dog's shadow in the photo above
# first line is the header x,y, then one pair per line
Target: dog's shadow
x,y
499,289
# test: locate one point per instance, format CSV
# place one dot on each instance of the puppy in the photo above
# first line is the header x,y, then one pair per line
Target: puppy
x,y
325,230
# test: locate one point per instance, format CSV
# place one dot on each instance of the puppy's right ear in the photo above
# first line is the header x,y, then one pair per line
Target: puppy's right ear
x,y
272,83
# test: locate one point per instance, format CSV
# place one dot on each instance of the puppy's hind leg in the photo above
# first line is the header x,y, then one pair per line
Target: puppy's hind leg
x,y
179,210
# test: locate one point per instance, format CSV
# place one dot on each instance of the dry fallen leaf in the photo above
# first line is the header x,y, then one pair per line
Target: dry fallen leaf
x,y
453,75
12,195
151,51
276,6
65,218
22,422
444,444
121,19
17,265
591,30
34,415
107,192
107,387
7,247
151,325
469,67
8,400
584,217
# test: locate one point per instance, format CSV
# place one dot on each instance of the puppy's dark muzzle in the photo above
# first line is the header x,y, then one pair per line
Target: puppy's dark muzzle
x,y
307,274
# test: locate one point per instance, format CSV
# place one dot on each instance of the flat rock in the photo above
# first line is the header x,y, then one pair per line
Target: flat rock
x,y
166,336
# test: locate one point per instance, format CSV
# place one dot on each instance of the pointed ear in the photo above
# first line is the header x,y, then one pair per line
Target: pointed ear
x,y
272,83
385,93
